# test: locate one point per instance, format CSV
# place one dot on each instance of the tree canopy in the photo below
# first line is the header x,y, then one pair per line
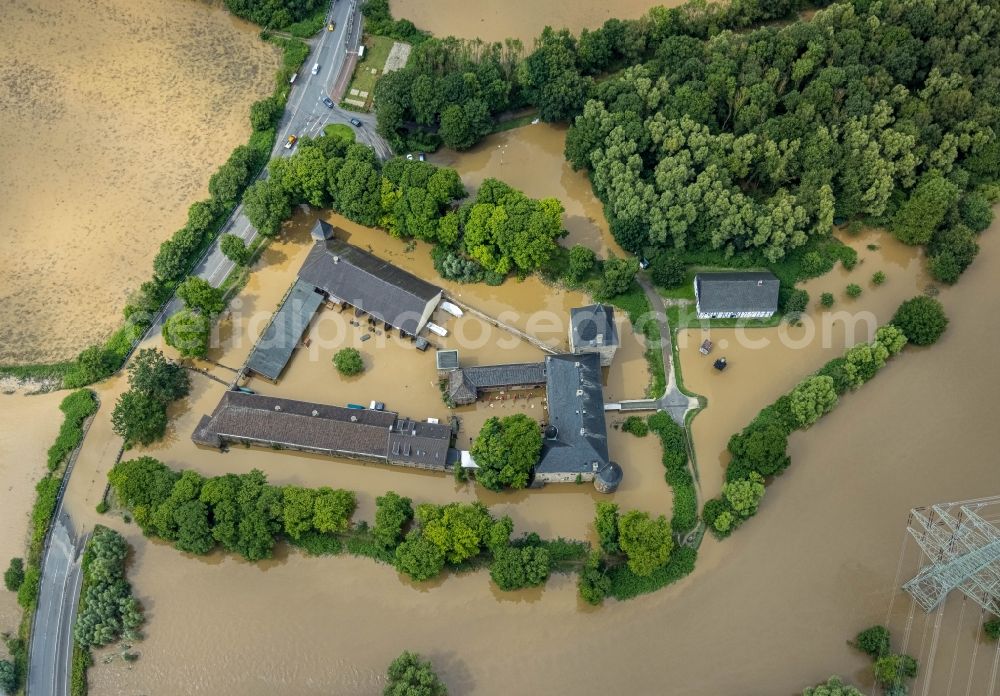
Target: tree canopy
x,y
408,675
506,450
921,319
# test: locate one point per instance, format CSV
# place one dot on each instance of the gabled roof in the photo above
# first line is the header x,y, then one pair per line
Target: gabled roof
x,y
275,347
593,321
321,230
736,292
576,410
464,383
332,430
381,289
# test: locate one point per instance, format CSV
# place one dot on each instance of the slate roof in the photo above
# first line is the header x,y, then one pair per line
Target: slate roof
x,y
381,289
589,322
276,345
332,430
576,409
446,359
464,383
321,230
736,292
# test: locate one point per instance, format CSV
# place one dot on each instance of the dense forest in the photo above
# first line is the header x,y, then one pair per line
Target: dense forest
x,y
757,142
743,146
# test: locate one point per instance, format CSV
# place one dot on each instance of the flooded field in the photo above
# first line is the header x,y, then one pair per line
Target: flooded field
x,y
113,117
531,159
766,612
28,426
494,20
766,363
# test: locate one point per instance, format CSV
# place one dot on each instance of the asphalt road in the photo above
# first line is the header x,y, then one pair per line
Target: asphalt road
x,y
51,650
305,115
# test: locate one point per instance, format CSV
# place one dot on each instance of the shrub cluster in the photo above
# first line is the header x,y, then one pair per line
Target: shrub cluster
x,y
891,670
678,475
759,451
108,610
76,408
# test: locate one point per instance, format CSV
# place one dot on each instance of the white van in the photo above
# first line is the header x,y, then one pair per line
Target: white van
x,y
316,69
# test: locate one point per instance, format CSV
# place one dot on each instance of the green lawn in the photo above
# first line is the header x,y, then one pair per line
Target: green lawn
x,y
376,51
342,130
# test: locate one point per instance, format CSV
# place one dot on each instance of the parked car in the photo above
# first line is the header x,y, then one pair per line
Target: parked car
x,y
328,102
315,70
644,264
356,123
421,156
331,26
292,139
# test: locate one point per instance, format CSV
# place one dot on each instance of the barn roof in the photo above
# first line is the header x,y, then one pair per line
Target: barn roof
x,y
736,292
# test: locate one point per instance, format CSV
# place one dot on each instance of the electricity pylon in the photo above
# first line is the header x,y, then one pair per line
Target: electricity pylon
x,y
962,544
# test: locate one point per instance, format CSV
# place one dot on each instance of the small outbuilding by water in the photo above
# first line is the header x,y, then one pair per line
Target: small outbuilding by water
x,y
732,295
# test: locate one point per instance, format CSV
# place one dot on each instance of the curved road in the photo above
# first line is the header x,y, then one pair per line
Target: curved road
x,y
51,648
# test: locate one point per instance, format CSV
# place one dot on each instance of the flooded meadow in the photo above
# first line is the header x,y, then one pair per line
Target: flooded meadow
x,y
113,117
495,20
766,612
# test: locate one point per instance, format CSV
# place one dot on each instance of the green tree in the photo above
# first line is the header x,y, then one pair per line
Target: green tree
x,y
408,675
189,332
826,299
348,362
812,398
419,558
606,525
893,670
506,450
863,361
646,542
617,276
853,290
878,278
460,531
593,583
668,270
297,510
918,217
763,449
143,484
151,373
891,337
992,628
8,677
139,418
199,294
921,319
873,641
235,249
14,575
332,510
833,686
581,262
744,495
264,113
266,205
518,567
392,513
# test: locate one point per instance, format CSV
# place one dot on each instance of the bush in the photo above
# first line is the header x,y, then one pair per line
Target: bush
x,y
826,299
13,577
796,301
853,290
625,584
668,270
235,249
27,593
8,677
516,568
992,629
76,407
593,583
408,675
581,262
891,671
102,507
348,362
921,319
873,641
635,425
264,113
878,278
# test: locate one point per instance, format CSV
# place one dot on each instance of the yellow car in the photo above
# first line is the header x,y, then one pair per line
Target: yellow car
x,y
331,26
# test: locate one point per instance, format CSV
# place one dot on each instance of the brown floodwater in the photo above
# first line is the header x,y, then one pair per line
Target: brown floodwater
x,y
28,426
113,116
764,363
766,612
531,159
494,20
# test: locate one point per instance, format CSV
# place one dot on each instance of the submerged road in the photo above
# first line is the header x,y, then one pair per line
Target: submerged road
x,y
51,649
305,115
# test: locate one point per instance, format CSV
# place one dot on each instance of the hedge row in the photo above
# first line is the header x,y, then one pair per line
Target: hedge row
x,y
678,476
76,407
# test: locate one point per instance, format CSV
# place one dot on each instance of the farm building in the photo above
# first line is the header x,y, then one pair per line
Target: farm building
x,y
345,273
748,295
380,436
592,330
466,383
274,349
